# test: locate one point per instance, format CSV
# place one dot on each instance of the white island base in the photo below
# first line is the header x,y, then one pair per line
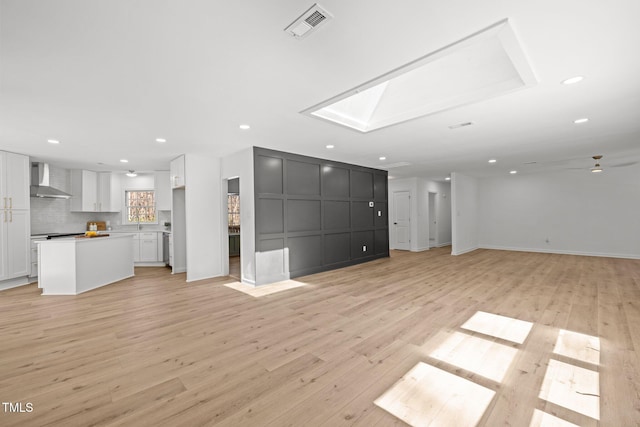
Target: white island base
x,y
72,266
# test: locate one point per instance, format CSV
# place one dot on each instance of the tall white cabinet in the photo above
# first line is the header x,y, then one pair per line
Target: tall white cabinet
x,y
15,224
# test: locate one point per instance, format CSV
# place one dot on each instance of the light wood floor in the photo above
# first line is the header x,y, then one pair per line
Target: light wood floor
x,y
155,351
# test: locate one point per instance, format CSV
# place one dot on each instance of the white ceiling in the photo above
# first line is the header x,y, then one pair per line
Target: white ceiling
x,y
108,77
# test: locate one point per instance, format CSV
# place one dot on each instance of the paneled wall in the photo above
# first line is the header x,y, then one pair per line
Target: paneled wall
x,y
314,215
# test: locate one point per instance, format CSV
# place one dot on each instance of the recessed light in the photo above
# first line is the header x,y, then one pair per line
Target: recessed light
x,y
447,179
53,141
124,161
244,127
161,140
382,158
572,80
513,172
492,160
583,120
330,146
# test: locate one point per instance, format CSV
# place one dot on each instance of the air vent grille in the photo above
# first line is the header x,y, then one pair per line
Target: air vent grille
x,y
315,18
308,21
461,125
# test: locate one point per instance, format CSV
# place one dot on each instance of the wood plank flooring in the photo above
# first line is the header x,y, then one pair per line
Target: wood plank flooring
x,y
155,351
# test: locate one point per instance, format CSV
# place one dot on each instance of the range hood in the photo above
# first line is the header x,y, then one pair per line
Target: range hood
x,y
40,183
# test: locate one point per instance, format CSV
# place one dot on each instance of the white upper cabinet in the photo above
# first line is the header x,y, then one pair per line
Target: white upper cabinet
x,y
109,188
177,172
14,180
95,191
84,188
163,191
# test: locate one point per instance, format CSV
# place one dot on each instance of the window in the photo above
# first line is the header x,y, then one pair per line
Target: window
x,y
233,208
141,207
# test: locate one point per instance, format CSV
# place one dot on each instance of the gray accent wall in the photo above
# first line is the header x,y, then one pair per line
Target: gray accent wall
x,y
314,215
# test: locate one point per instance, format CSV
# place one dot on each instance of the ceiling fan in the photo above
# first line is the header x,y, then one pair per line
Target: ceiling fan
x,y
597,168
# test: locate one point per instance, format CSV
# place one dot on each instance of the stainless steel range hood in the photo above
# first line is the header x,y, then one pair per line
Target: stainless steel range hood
x,y
40,183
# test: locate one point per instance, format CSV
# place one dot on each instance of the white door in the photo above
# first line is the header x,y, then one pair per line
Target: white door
x,y
402,220
433,230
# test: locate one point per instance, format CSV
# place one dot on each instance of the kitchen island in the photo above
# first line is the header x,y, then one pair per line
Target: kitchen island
x,y
75,265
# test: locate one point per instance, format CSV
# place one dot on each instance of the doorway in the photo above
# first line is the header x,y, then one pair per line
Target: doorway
x,y
233,222
402,220
433,221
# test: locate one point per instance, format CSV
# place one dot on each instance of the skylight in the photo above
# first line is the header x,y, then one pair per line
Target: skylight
x,y
483,65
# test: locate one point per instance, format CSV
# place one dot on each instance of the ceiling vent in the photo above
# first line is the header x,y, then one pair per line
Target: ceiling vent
x,y
314,17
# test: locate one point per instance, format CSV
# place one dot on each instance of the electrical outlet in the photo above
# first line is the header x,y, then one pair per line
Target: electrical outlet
x,y
364,248
370,204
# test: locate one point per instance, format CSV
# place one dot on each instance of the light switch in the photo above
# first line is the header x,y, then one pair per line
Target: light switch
x,y
364,248
379,213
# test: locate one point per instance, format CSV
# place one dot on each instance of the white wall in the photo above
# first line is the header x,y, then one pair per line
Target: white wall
x,y
464,208
419,190
578,212
203,199
240,165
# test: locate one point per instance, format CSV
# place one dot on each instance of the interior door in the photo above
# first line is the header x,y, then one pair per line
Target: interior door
x,y
433,231
402,220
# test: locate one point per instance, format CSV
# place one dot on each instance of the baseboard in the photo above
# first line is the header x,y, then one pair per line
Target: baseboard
x,y
149,264
442,245
465,251
13,283
560,252
420,249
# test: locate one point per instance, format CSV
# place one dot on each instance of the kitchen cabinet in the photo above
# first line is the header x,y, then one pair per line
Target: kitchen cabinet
x,y
15,222
84,190
136,247
33,274
234,245
149,247
177,168
15,241
94,191
14,180
163,191
109,189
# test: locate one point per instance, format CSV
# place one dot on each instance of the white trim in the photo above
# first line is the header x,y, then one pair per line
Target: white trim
x,y
559,252
442,245
420,249
13,283
464,251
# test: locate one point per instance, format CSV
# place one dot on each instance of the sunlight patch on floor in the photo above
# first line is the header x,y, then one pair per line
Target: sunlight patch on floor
x,y
427,395
260,291
503,327
578,346
481,356
542,419
573,388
